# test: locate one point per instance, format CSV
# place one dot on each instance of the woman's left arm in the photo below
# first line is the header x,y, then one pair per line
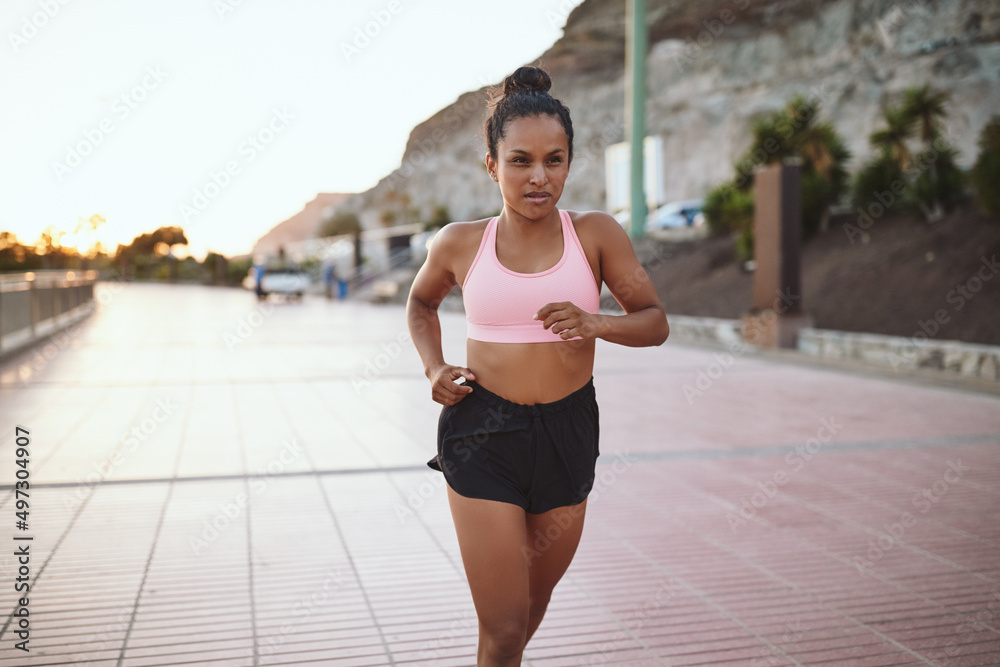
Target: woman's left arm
x,y
644,322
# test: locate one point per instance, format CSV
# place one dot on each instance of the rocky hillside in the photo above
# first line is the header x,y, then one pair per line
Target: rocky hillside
x,y
713,66
302,225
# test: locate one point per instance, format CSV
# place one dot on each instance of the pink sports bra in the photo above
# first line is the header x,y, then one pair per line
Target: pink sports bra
x,y
500,303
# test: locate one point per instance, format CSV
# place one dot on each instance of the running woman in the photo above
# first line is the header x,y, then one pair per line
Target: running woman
x,y
518,441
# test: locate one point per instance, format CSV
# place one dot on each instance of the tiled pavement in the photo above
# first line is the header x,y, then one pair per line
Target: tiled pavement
x,y
271,505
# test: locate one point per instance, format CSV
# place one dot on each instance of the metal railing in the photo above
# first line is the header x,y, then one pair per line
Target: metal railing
x,y
37,303
367,275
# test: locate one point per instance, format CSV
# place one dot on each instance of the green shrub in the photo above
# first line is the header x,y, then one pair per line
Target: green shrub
x,y
939,181
879,176
745,244
728,209
985,174
817,195
237,270
792,131
439,219
343,222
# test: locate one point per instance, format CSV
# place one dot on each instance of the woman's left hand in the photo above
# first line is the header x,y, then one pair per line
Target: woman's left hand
x,y
569,321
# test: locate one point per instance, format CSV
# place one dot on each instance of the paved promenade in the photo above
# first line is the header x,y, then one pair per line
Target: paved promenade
x,y
215,482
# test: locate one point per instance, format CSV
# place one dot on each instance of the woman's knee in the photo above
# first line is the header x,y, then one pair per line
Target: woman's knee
x,y
507,638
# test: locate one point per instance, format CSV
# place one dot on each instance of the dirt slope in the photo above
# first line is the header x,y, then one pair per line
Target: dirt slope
x,y
905,273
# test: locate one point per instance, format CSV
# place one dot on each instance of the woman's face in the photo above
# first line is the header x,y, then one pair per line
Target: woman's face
x,y
532,165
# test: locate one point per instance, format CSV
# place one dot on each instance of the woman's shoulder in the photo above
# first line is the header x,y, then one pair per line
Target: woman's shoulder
x,y
594,224
457,235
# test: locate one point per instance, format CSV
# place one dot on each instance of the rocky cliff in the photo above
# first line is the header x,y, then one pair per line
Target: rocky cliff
x,y
302,225
714,65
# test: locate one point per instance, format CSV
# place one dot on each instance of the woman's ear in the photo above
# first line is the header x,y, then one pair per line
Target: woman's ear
x,y
491,167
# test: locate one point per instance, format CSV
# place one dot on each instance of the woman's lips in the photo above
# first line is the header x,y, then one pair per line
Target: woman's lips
x,y
537,197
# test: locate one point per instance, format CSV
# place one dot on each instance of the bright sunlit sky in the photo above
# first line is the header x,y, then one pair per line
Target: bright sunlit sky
x,y
133,110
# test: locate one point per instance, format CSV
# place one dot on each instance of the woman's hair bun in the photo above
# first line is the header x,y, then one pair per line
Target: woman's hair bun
x,y
524,94
527,79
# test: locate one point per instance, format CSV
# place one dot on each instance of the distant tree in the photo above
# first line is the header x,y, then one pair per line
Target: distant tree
x,y
211,265
140,256
440,218
940,184
878,176
15,256
985,175
728,208
925,106
928,179
792,131
145,244
342,222
237,270
899,127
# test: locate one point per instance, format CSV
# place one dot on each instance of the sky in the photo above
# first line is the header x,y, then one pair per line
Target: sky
x,y
225,117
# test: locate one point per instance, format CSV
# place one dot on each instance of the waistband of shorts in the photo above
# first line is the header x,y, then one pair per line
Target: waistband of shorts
x,y
584,394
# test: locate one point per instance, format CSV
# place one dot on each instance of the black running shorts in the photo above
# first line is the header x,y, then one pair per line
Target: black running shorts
x,y
538,456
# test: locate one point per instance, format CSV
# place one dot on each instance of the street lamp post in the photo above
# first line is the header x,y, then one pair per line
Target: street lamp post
x,y
635,110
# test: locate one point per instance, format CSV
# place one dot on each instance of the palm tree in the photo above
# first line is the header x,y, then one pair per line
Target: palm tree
x,y
899,127
824,150
793,130
925,107
986,171
822,147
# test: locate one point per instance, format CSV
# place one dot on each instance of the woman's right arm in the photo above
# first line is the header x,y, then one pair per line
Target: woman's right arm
x,y
432,283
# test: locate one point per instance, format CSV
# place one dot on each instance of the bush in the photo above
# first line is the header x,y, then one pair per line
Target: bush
x,y
728,209
817,195
237,270
940,181
792,131
439,219
876,178
343,222
985,174
745,244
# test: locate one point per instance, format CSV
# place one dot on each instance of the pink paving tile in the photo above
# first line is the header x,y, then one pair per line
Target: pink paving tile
x,y
660,576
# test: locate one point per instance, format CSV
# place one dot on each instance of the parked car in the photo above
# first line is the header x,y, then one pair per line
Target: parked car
x,y
289,280
686,213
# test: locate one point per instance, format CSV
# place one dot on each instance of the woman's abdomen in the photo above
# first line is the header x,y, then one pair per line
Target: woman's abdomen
x,y
530,373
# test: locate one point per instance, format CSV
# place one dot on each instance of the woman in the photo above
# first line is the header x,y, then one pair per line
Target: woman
x,y
517,442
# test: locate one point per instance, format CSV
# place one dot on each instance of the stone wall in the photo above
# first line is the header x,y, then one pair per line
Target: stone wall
x,y
893,353
901,353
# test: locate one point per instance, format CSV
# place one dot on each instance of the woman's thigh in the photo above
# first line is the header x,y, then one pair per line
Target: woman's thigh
x,y
491,536
552,541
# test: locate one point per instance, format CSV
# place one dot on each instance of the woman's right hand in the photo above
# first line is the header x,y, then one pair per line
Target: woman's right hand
x,y
443,387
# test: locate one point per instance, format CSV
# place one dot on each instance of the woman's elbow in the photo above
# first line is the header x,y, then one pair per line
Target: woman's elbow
x,y
663,332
